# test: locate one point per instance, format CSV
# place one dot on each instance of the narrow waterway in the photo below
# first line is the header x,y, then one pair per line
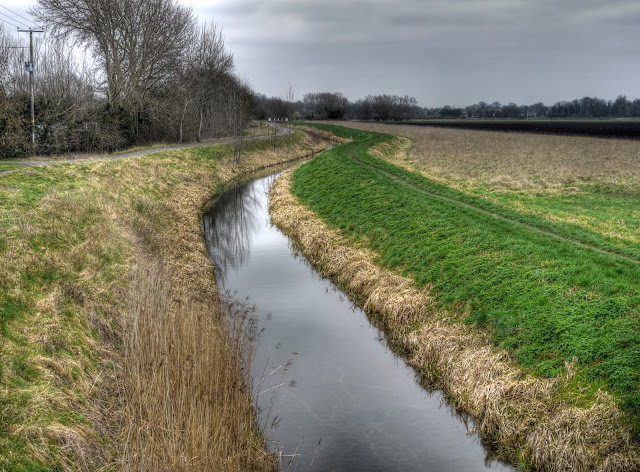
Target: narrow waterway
x,y
332,395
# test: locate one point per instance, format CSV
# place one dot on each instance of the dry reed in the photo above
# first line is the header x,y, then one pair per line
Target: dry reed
x,y
186,364
188,407
516,412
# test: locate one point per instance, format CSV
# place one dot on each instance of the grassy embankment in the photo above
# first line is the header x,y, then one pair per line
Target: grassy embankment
x,y
113,350
560,298
593,183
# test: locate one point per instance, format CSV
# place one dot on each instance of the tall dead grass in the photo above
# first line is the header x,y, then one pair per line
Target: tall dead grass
x,y
515,161
186,374
521,415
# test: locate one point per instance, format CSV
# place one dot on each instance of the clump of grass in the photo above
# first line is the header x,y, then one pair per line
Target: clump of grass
x,y
562,423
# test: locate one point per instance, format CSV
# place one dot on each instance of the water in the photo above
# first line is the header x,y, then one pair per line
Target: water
x,y
332,395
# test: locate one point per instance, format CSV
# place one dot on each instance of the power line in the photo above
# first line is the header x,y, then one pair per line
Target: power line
x,y
13,19
9,23
17,14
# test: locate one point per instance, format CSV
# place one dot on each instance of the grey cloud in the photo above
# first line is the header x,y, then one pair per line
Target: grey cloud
x,y
440,51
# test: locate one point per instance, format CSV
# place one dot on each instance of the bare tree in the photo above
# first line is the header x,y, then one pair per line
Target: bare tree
x,y
323,105
363,108
6,44
214,63
137,43
239,98
289,96
199,79
383,107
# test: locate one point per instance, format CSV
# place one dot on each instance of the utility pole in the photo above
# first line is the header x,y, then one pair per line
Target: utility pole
x,y
29,68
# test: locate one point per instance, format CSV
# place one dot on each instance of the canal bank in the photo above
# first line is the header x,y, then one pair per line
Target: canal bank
x,y
516,412
106,298
330,393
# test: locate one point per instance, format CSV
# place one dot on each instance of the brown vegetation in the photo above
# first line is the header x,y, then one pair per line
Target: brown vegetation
x,y
186,366
515,161
526,418
186,374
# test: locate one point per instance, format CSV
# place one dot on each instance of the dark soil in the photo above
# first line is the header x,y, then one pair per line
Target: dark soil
x,y
595,128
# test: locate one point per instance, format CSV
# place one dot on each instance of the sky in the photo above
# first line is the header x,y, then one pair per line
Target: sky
x,y
443,52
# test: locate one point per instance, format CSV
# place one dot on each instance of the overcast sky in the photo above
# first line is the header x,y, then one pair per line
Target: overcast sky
x,y
443,52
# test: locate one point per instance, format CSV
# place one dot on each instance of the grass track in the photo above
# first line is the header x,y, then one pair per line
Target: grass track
x,y
544,298
459,201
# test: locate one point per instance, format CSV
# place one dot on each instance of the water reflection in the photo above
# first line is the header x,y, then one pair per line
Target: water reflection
x,y
228,226
331,394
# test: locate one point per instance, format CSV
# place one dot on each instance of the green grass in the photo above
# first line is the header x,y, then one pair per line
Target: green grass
x,y
4,166
613,217
542,297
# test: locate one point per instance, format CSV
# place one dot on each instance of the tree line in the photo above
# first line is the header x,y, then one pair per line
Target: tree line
x,y
586,107
116,73
335,106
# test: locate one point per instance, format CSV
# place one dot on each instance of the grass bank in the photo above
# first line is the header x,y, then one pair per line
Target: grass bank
x,y
558,304
589,182
114,351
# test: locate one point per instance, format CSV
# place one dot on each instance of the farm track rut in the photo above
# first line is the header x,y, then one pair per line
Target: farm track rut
x,y
493,214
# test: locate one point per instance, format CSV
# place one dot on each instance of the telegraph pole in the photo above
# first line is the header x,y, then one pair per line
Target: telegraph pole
x,y
29,68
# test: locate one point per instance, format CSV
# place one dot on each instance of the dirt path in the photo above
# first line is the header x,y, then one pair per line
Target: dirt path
x,y
280,131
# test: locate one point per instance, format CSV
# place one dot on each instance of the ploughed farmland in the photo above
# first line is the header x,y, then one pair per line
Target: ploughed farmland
x,y
596,128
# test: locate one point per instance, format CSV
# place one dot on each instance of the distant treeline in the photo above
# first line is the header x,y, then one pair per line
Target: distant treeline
x,y
334,105
587,107
129,72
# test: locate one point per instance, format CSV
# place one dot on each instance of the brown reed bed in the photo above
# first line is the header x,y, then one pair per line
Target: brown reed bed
x,y
532,422
188,406
186,375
